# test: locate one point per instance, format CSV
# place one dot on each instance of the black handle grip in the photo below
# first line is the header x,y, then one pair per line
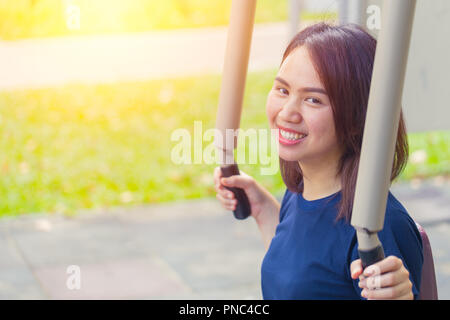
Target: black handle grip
x,y
371,256
243,205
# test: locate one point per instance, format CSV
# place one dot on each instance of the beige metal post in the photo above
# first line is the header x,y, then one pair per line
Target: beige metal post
x,y
295,7
343,11
232,92
357,12
381,127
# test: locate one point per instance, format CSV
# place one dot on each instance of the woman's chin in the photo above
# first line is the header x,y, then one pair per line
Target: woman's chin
x,y
289,156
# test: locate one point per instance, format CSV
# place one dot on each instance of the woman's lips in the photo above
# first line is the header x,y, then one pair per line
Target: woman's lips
x,y
290,130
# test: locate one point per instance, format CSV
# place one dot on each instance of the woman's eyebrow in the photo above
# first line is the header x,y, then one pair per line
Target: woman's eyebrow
x,y
282,81
304,89
312,89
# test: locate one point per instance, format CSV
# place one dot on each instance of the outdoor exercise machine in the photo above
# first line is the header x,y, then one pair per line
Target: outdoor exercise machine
x,y
381,125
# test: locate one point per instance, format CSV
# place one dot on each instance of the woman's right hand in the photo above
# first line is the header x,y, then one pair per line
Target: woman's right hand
x,y
256,194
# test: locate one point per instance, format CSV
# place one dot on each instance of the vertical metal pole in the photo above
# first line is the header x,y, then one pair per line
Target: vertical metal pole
x,y
232,93
381,126
357,12
294,17
343,11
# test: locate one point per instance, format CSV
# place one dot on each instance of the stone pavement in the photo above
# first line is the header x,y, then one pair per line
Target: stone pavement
x,y
183,250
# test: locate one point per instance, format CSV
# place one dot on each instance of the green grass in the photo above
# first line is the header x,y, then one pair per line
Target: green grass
x,y
46,18
429,155
84,146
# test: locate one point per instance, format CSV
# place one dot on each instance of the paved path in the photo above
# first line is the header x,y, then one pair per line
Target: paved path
x,y
181,250
140,56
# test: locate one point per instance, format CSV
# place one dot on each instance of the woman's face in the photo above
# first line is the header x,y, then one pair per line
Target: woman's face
x,y
299,107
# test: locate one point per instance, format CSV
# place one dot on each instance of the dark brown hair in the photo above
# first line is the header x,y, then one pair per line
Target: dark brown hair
x,y
343,57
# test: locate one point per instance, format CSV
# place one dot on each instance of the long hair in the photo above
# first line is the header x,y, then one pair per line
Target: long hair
x,y
343,57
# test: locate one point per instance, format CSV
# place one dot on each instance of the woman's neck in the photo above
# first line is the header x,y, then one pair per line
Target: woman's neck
x,y
319,180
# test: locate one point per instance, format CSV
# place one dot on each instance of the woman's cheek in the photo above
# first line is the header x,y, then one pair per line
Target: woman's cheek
x,y
323,127
273,107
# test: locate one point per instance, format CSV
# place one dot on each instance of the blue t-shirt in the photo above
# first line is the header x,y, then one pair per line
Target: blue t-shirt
x,y
310,255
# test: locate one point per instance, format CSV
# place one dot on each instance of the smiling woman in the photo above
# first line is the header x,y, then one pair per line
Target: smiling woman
x,y
326,72
318,102
342,89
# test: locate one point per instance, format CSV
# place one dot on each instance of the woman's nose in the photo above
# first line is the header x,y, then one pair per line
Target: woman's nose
x,y
290,113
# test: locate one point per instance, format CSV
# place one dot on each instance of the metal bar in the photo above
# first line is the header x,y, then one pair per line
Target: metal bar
x,y
294,17
381,126
356,12
234,72
343,11
232,93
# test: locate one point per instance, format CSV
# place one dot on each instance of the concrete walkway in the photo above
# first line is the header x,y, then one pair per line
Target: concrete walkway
x,y
182,250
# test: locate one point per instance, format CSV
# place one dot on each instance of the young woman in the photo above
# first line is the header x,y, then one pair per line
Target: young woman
x,y
318,103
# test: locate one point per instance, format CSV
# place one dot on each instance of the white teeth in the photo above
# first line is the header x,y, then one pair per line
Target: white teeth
x,y
291,135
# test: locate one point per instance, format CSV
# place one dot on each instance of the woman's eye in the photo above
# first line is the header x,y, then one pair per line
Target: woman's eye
x,y
313,100
283,91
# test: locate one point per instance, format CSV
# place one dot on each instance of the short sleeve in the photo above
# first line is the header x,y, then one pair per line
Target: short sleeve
x,y
284,203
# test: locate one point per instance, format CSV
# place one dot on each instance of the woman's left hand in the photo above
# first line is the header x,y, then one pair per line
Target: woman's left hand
x,y
387,279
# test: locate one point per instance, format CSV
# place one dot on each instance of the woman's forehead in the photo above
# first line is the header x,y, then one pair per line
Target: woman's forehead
x,y
298,69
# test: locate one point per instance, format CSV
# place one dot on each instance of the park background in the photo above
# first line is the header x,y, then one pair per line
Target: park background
x,y
99,139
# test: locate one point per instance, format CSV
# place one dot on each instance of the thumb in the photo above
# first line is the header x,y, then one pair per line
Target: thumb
x,y
237,181
356,269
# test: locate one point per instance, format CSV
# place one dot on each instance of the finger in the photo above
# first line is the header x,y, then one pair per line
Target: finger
x,y
399,290
389,279
217,175
388,264
225,201
226,194
237,181
356,268
222,199
231,207
221,188
227,181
